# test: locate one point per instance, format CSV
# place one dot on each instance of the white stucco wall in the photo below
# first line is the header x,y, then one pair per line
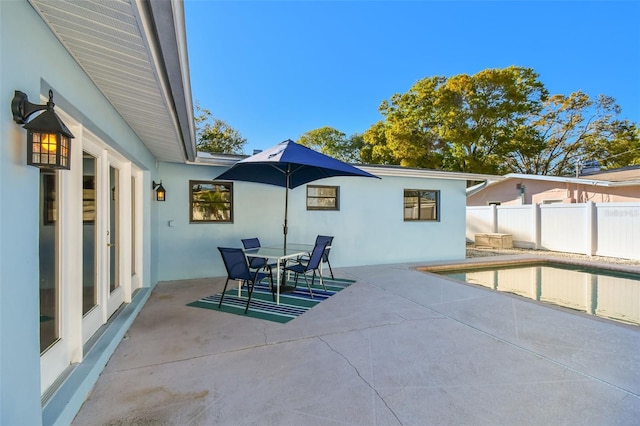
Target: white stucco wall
x,y
368,229
33,60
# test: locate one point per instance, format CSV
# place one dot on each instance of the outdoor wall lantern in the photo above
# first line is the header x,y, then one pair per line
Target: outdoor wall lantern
x,y
48,138
160,192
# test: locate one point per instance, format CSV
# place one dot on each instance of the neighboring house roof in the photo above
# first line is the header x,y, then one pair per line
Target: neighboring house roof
x,y
629,173
580,181
560,179
136,54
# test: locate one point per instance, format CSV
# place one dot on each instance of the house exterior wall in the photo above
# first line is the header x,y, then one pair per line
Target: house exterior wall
x,y
33,61
369,227
538,191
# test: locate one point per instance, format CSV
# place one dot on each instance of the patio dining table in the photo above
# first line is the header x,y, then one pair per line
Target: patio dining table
x,y
281,255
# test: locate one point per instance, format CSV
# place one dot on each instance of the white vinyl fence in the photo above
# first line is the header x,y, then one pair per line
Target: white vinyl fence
x,y
602,229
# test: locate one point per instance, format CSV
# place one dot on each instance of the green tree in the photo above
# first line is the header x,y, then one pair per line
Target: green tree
x,y
463,123
375,149
215,135
408,136
481,116
571,129
334,143
499,121
614,142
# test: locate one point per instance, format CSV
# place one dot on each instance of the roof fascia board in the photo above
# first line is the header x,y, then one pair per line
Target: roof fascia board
x,y
477,188
170,31
423,173
563,179
228,160
148,22
210,159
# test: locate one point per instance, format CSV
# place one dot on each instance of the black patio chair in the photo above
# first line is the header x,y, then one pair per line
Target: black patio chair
x,y
257,262
325,255
313,264
235,262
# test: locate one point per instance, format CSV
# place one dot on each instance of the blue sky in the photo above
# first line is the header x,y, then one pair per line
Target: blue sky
x,y
274,70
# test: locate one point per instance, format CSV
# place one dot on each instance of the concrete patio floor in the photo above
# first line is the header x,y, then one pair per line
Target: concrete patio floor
x,y
398,347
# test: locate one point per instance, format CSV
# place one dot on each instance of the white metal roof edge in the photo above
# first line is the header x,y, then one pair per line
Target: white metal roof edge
x,y
211,159
398,171
162,23
567,179
476,188
228,160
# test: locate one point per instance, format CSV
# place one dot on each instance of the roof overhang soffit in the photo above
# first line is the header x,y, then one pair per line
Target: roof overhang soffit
x,y
135,53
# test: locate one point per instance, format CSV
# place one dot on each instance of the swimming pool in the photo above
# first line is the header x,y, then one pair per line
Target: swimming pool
x,y
604,293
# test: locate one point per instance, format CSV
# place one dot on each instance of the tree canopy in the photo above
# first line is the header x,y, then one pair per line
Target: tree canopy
x,y
498,121
215,135
569,130
334,143
462,123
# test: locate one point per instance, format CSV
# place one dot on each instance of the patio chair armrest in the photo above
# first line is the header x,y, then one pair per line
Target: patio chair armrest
x,y
300,261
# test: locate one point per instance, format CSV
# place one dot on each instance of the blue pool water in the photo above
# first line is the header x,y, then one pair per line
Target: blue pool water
x,y
608,294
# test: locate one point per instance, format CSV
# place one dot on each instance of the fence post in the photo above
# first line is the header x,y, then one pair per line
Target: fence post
x,y
590,232
536,225
494,216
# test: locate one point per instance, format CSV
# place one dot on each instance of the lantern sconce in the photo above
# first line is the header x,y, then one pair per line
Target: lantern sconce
x,y
160,191
48,138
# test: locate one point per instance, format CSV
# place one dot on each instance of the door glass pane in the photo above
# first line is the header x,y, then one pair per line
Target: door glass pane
x,y
114,244
89,236
49,319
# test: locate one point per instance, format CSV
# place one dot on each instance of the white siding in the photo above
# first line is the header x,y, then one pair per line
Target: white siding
x,y
618,231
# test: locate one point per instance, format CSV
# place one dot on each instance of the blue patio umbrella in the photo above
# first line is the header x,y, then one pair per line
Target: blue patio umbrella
x,y
290,165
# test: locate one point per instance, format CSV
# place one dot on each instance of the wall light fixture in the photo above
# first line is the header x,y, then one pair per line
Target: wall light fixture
x,y
160,191
48,138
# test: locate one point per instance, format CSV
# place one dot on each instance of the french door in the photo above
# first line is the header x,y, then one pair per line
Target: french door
x,y
92,209
107,251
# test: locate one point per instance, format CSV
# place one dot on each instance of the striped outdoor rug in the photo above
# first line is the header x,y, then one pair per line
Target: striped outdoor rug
x,y
262,305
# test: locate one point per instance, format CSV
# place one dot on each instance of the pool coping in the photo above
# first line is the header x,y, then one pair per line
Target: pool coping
x,y
525,259
509,260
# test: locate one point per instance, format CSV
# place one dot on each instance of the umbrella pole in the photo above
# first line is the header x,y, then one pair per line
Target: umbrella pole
x,y
286,211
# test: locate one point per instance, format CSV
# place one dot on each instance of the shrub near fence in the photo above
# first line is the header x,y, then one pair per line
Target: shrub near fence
x,y
602,229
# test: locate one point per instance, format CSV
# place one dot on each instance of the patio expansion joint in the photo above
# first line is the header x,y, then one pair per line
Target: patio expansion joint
x,y
532,353
491,385
364,380
191,358
508,342
248,348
